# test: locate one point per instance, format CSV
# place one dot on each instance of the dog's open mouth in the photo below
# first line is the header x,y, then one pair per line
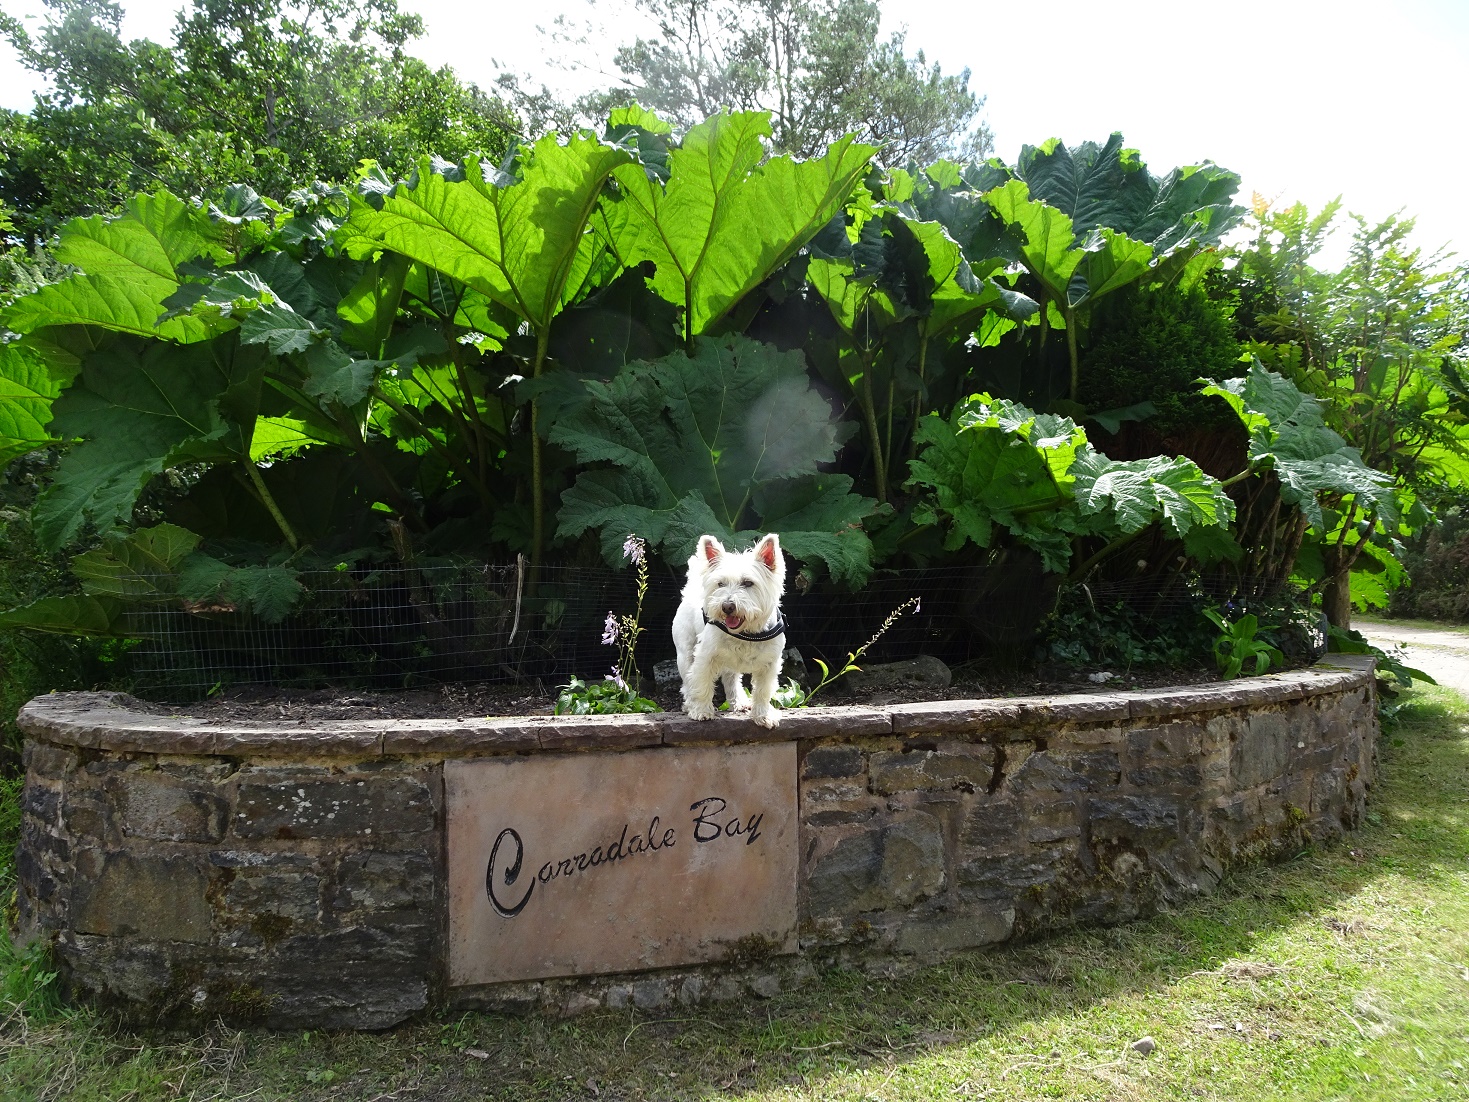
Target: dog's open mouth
x,y
733,623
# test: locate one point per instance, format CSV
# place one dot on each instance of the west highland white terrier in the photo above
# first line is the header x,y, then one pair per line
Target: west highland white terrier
x,y
729,624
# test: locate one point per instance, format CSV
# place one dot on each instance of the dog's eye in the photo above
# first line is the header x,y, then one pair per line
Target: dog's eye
x,y
746,584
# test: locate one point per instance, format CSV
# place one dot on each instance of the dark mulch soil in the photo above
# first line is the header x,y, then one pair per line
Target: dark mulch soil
x,y
255,703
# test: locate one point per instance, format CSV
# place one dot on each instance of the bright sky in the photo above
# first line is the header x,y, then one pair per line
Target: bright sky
x,y
1306,99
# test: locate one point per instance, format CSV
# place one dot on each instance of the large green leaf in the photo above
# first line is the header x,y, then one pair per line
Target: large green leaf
x,y
129,266
888,267
1112,261
141,565
956,299
268,592
27,389
1049,241
80,615
140,407
153,236
819,519
1108,186
1091,185
1288,435
1075,274
998,464
982,470
1136,493
519,241
707,443
724,221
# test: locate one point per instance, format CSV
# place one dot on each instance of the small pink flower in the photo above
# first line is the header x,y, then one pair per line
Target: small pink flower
x,y
634,548
609,631
616,678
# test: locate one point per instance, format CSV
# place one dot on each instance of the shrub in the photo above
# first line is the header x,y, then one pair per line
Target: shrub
x,y
32,663
1438,564
1150,347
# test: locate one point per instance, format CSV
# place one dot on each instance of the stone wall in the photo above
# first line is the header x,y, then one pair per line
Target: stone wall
x,y
295,876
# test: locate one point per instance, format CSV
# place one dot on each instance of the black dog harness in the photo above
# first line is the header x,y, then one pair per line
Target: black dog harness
x,y
758,637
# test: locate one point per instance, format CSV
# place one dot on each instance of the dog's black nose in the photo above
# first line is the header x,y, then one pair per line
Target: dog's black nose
x,y
729,607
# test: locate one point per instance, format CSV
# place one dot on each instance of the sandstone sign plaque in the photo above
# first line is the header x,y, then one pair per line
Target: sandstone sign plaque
x,y
579,864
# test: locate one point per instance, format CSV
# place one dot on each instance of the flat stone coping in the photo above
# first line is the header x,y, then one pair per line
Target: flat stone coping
x,y
103,721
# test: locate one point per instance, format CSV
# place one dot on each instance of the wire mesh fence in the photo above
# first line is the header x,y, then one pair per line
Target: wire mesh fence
x,y
403,626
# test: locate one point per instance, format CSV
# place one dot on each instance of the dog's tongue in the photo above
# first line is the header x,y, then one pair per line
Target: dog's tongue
x,y
733,622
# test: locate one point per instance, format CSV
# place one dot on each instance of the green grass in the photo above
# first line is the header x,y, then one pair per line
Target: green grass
x,y
1343,974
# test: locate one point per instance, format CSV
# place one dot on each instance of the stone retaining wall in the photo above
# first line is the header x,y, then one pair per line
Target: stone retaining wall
x,y
295,875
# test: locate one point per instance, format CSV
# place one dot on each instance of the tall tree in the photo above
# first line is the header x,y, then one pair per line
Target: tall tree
x,y
273,93
820,67
1382,342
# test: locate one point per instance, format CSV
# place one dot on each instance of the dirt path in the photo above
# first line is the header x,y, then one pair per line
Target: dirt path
x,y
1442,652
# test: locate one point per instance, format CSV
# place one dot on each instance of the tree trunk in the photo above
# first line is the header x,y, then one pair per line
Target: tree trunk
x,y
1336,599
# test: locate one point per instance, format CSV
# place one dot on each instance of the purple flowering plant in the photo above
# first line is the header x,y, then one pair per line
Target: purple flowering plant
x,y
617,691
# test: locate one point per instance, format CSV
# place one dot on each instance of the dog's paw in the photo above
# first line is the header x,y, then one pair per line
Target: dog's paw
x,y
766,716
700,711
741,705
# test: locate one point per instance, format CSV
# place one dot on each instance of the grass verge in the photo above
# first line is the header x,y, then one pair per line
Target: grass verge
x,y
1342,974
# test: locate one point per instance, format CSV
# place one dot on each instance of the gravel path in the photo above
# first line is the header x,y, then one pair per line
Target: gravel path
x,y
1444,652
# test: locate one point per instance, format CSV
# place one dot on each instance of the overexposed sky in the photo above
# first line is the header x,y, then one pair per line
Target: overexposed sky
x,y
1306,99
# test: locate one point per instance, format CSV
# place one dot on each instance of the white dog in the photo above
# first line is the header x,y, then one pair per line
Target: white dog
x,y
729,624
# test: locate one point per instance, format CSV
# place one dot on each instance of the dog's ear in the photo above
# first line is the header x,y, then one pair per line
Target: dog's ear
x,y
767,552
710,549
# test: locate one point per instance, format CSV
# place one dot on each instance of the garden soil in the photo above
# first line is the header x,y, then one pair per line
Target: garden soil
x,y
457,701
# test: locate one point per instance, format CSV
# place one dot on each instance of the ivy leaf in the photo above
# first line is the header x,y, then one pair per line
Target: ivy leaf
x,y
27,390
724,221
516,241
